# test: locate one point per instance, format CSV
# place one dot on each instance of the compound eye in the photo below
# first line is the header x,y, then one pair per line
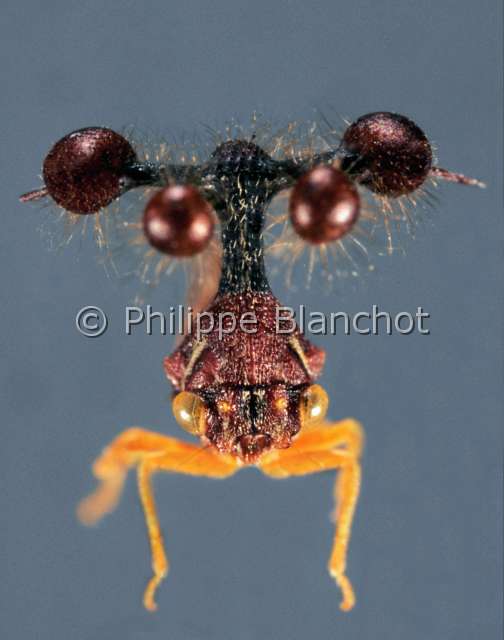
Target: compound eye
x,y
314,404
189,411
324,205
387,153
83,170
178,221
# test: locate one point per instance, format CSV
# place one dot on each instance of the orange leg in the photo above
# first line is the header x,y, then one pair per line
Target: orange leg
x,y
320,448
151,452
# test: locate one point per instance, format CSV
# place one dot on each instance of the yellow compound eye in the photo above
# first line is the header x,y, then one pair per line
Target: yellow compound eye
x,y
314,403
189,412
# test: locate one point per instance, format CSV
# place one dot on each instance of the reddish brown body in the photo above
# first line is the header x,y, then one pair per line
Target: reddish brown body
x,y
250,376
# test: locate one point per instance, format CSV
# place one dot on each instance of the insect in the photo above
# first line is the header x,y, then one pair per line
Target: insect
x,y
251,397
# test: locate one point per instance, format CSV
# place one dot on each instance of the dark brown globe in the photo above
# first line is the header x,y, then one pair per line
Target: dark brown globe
x,y
324,205
387,153
83,170
178,221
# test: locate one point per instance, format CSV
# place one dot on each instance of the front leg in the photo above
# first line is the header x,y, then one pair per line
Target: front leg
x,y
320,448
150,452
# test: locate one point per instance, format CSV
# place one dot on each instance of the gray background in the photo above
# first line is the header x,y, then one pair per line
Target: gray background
x,y
249,554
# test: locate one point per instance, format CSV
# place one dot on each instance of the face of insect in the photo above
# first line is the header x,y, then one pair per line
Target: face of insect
x,y
242,391
246,422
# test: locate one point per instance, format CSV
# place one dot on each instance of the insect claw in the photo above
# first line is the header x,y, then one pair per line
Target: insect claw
x,y
348,601
149,601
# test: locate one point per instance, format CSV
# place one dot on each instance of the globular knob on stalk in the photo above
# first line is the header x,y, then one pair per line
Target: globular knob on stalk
x,y
82,172
324,205
178,221
386,152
